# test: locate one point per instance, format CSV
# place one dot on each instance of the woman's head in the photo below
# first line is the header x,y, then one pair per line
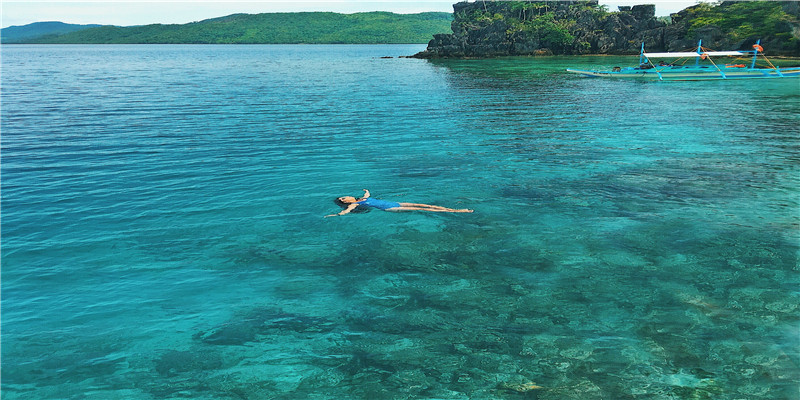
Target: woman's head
x,y
345,201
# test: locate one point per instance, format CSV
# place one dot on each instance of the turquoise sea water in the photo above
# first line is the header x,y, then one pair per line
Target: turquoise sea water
x,y
163,232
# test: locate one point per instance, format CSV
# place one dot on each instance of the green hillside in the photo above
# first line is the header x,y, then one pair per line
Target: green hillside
x,y
273,28
14,34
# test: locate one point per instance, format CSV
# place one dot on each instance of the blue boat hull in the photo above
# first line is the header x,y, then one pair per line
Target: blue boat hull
x,y
691,73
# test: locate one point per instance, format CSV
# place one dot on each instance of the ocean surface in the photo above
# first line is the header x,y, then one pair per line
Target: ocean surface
x,y
163,233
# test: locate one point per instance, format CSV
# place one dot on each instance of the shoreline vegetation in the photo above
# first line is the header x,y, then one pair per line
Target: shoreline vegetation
x,y
484,29
480,29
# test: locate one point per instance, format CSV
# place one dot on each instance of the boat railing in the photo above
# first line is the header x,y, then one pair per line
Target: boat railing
x,y
645,58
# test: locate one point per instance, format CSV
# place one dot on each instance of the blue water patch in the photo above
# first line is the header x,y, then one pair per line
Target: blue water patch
x,y
163,232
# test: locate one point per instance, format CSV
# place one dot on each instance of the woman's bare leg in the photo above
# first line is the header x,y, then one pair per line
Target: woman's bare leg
x,y
426,207
431,206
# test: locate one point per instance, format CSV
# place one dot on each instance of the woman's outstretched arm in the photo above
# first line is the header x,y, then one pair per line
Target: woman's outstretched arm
x,y
347,210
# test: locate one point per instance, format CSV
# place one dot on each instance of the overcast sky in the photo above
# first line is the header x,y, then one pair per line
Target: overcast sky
x,y
126,13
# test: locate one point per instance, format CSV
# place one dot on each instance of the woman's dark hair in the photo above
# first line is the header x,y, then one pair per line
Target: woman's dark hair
x,y
340,203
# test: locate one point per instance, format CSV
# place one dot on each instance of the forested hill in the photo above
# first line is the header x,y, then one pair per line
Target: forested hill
x,y
272,28
14,34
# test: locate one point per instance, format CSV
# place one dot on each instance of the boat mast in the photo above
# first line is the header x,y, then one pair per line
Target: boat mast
x,y
641,55
699,51
755,53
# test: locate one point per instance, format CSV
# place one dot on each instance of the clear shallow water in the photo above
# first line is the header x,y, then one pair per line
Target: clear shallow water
x,y
162,230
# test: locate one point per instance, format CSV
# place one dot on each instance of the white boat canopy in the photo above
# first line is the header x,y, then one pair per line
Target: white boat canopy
x,y
695,54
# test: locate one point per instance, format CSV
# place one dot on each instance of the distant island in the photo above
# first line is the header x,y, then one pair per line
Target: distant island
x,y
515,28
268,28
14,34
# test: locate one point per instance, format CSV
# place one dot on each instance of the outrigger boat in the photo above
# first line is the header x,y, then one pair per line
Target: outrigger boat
x,y
708,69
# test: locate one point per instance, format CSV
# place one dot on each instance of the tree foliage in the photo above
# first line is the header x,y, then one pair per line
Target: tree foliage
x,y
537,20
743,19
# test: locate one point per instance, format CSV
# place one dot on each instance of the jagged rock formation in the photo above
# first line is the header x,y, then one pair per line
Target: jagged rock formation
x,y
513,28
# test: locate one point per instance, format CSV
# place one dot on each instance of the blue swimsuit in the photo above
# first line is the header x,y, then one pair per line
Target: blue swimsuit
x,y
379,204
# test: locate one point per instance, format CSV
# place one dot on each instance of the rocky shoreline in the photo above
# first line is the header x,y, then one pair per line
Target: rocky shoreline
x,y
522,28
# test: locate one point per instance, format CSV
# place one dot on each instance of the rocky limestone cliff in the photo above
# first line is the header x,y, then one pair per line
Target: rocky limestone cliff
x,y
518,28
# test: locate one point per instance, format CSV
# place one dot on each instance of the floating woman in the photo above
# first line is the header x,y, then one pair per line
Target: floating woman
x,y
350,203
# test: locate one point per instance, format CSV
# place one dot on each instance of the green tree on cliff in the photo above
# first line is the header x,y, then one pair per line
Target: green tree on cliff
x,y
742,20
